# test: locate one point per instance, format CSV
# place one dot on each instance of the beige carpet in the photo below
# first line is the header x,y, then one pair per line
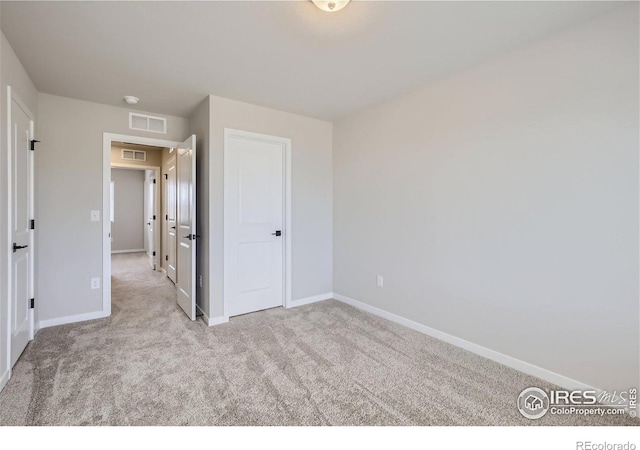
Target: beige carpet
x,y
321,364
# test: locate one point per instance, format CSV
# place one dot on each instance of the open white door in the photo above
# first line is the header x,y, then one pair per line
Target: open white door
x,y
150,201
186,226
170,198
21,173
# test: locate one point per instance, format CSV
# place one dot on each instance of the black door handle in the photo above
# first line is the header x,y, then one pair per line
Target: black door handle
x,y
17,247
191,237
277,233
173,228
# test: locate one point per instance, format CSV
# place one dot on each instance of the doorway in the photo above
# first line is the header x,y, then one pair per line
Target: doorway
x,y
257,222
142,183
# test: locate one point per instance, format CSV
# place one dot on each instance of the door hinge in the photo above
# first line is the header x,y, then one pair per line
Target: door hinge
x,y
33,224
154,217
166,257
154,181
32,303
166,176
154,253
166,217
33,144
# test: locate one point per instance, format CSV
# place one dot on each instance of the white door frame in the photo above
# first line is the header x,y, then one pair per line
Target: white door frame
x,y
107,139
156,200
229,133
13,96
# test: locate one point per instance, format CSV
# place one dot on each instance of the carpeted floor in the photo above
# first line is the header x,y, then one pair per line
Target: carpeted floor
x,y
320,364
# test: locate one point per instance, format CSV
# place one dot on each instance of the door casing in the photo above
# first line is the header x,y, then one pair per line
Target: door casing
x,y
107,139
156,201
287,231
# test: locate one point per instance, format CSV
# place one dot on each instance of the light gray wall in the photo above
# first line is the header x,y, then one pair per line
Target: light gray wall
x,y
11,74
128,228
311,169
501,204
199,125
70,185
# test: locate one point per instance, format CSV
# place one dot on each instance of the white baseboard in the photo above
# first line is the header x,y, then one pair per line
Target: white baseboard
x,y
211,321
201,312
312,299
4,378
134,250
217,320
509,361
71,319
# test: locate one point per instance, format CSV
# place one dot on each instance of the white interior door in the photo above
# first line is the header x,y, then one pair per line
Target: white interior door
x,y
170,196
186,226
253,209
21,233
150,201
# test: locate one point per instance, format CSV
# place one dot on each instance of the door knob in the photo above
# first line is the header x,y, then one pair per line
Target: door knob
x,y
277,233
17,247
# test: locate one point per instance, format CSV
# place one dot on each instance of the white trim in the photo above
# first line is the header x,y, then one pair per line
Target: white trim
x,y
288,229
212,321
134,166
134,250
72,319
107,138
312,299
5,378
509,361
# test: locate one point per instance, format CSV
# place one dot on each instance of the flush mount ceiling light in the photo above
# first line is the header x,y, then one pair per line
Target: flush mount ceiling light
x,y
330,6
131,100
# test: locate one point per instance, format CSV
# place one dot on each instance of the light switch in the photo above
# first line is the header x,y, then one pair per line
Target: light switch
x,y
95,215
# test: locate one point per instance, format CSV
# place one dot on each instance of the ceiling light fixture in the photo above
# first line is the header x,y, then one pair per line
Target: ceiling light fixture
x,y
331,5
131,100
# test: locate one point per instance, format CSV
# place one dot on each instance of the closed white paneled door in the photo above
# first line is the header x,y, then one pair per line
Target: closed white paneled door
x,y
21,134
254,232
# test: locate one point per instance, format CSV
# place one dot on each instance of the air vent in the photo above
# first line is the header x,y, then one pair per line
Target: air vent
x,y
134,155
143,122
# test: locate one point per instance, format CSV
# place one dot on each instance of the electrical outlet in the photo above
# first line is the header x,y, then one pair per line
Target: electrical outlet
x,y
95,283
95,215
380,281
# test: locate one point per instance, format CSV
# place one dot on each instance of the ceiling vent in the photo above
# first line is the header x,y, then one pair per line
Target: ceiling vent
x,y
134,155
143,122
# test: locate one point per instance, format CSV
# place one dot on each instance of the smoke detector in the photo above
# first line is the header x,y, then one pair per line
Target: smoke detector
x,y
131,100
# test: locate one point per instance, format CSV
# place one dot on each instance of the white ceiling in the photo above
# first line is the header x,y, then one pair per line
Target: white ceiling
x,y
285,55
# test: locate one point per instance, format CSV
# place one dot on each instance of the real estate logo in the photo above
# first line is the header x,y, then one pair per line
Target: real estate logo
x,y
533,403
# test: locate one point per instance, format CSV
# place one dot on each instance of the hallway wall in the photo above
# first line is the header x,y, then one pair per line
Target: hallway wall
x,y
128,227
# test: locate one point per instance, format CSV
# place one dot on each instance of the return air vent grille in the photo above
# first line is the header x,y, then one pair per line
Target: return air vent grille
x,y
134,155
143,122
